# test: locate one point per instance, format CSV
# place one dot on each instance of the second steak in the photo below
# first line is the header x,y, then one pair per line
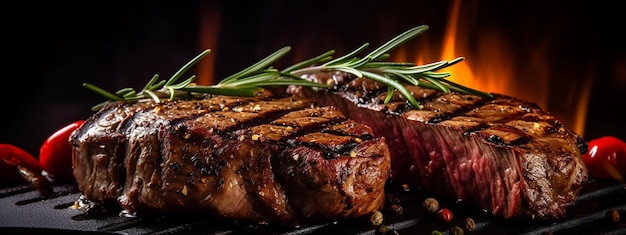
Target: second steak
x,y
504,154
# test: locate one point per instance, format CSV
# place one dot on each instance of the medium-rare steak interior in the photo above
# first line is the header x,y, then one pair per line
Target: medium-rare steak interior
x,y
502,153
259,159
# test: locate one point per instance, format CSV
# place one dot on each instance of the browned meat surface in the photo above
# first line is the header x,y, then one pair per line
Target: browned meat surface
x,y
503,154
265,160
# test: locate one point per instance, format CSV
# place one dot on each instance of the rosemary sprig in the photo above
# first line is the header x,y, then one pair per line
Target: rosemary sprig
x,y
249,81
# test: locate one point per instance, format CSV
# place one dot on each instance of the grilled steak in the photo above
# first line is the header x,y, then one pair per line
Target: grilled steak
x,y
266,160
503,154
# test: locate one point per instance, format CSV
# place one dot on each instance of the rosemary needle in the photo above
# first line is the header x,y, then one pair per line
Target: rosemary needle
x,y
250,80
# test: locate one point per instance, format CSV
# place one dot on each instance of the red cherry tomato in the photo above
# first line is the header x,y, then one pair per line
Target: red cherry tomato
x,y
11,159
606,158
55,154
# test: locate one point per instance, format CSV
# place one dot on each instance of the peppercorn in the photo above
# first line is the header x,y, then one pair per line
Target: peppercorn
x,y
384,230
436,232
395,209
456,230
470,225
430,205
612,215
391,199
444,214
376,218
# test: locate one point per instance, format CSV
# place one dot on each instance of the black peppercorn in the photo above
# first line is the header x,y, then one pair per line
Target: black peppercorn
x,y
392,199
613,216
395,209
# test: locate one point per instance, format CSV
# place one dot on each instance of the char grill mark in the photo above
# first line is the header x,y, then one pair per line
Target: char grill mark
x,y
230,120
439,107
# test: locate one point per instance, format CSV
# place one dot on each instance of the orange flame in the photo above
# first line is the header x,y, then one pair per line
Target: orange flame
x,y
208,32
490,66
490,69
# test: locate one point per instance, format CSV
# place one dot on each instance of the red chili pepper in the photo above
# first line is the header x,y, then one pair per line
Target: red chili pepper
x,y
11,159
55,154
606,158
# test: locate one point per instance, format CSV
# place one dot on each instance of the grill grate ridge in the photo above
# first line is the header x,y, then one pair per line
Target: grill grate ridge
x,y
23,209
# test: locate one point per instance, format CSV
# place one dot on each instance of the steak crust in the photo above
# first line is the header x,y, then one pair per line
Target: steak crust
x,y
502,153
265,160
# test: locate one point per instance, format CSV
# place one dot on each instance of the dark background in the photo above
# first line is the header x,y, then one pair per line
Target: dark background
x,y
52,48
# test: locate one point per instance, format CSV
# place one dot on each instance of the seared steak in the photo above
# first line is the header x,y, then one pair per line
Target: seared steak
x,y
504,154
266,160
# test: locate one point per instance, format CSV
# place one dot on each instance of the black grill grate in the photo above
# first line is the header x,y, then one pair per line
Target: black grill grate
x,y
23,210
